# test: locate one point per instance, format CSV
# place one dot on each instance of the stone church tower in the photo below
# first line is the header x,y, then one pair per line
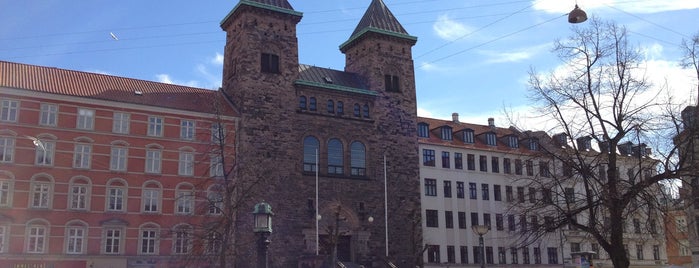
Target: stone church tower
x,y
360,125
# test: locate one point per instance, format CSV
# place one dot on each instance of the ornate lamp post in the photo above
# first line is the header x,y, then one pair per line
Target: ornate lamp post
x,y
480,230
262,216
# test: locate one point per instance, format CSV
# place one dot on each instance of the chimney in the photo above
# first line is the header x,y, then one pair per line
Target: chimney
x,y
649,151
491,122
455,117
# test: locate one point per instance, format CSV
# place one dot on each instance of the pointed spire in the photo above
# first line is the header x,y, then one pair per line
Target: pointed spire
x,y
378,18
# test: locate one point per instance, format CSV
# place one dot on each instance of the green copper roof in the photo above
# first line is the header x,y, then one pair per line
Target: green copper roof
x,y
282,6
378,19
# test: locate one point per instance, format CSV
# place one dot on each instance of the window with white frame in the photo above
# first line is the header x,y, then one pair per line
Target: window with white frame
x,y
215,198
217,133
216,165
151,200
86,119
490,139
213,243
44,153
81,158
36,238
155,126
116,193
182,240
3,238
41,194
468,136
118,158
186,164
112,240
184,201
7,149
79,194
75,239
9,110
120,123
153,160
187,128
6,193
148,241
48,116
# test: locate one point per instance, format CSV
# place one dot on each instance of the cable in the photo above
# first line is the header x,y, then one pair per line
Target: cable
x,y
653,23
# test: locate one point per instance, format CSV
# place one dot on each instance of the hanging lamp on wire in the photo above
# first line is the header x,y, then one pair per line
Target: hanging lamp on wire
x,y
577,15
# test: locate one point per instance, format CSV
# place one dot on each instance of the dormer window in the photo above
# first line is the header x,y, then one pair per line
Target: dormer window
x,y
512,141
391,83
269,63
446,133
533,144
468,136
423,130
490,139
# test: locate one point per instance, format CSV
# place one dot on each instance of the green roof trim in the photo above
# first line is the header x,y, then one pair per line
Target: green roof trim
x,y
336,87
263,6
377,30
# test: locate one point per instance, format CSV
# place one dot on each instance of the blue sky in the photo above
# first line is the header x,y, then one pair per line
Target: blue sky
x,y
472,57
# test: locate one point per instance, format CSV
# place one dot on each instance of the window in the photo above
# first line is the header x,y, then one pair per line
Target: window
x,y
331,107
534,144
474,218
182,240
477,254
313,104
116,193
520,194
499,222
473,193
544,169
502,257
513,255
468,136
216,168
446,133
569,195
365,110
81,158
185,165
508,194
449,219
357,110
639,251
486,220
518,167
433,254
489,255
391,83
490,139
428,157
44,153
537,255
495,164
302,103
507,165
213,243
552,255
117,158
483,163
340,108
523,223
7,149
463,253
151,198
458,161
5,195
36,238
530,168
680,224
423,130
511,223
269,63
656,252
432,218
120,123
79,194
574,247
9,110
48,115
461,217
218,134
548,223
486,191
451,254
497,195
310,154
430,187
215,198
525,255
184,200
75,239
547,196
112,240
86,119
155,126
3,238
358,159
41,194
459,189
187,129
512,142
637,226
532,195
471,162
447,188
148,241
153,160
445,159
335,157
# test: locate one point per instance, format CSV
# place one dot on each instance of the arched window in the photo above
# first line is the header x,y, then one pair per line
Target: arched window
x,y
312,105
340,108
356,110
182,239
214,196
184,198
45,148
148,236
331,106
76,237
151,197
358,159
365,110
6,191
302,103
310,151
116,195
41,191
335,159
36,236
79,193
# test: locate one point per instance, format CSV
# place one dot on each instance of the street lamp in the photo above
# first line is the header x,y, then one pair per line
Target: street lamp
x,y
577,15
262,218
480,230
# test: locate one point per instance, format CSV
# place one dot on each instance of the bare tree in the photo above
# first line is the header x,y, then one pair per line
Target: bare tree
x,y
602,94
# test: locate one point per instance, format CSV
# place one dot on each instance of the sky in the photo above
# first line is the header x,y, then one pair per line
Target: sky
x,y
472,57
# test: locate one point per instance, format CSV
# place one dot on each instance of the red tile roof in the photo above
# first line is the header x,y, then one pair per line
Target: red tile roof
x,y
106,87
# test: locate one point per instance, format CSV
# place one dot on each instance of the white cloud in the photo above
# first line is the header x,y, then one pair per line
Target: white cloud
x,y
98,72
563,7
165,78
449,29
218,59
